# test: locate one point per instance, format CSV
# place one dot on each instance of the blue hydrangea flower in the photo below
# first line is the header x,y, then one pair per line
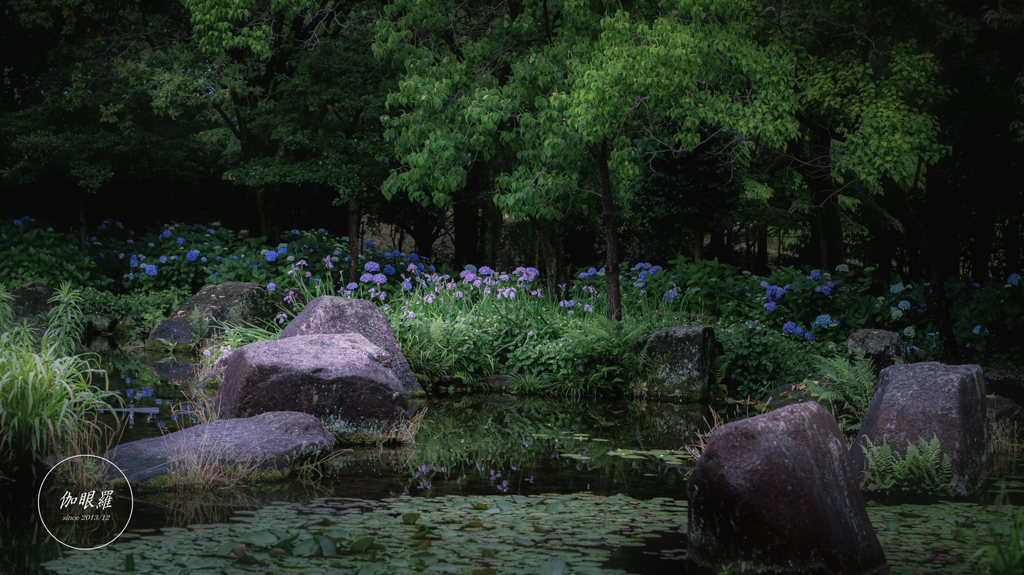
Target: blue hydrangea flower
x,y
823,320
815,275
770,306
414,258
583,275
388,255
380,279
388,270
789,327
352,286
798,331
372,266
131,276
895,313
977,329
655,270
366,278
134,261
842,268
163,259
370,245
270,256
809,336
151,270
165,234
591,272
897,288
180,241
910,331
17,222
192,255
825,290
282,250
1013,280
203,259
903,305
271,286
486,271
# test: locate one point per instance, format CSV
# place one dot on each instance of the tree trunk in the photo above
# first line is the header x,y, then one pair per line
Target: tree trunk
x,y
81,221
761,259
544,232
610,216
354,218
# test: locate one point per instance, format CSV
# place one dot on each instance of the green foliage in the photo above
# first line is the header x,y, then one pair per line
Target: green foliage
x,y
845,388
137,312
760,358
33,252
1006,554
925,469
46,397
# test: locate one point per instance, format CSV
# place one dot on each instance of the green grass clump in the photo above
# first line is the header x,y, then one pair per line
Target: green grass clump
x,y
47,398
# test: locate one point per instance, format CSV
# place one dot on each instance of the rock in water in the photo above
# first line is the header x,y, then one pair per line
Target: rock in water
x,y
336,315
921,400
337,376
681,358
231,302
779,493
269,442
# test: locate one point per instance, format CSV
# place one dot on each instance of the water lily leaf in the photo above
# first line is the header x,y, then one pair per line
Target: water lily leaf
x,y
892,526
286,541
443,568
277,552
362,545
306,548
410,518
326,545
488,553
484,571
481,506
129,563
337,534
493,511
540,528
476,524
371,569
523,542
519,499
554,506
262,539
225,549
505,505
553,566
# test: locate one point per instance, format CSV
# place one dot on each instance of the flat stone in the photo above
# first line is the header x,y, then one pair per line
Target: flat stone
x,y
271,441
681,358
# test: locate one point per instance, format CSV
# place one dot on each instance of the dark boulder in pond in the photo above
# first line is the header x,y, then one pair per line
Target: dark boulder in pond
x,y
99,324
171,367
918,401
338,315
778,493
232,302
341,377
268,442
882,347
680,358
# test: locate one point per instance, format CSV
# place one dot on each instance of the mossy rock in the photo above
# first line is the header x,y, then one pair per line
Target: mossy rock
x,y
214,306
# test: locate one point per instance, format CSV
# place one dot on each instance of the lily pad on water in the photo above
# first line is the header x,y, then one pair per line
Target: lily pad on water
x,y
521,537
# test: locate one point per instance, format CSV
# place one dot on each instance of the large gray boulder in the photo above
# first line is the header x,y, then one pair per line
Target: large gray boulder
x,y
235,303
918,401
342,377
778,493
680,358
337,315
882,347
270,442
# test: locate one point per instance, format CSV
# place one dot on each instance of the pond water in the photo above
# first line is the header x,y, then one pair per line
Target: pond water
x,y
499,483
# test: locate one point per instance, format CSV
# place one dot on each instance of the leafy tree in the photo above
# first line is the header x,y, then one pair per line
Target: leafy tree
x,y
566,99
